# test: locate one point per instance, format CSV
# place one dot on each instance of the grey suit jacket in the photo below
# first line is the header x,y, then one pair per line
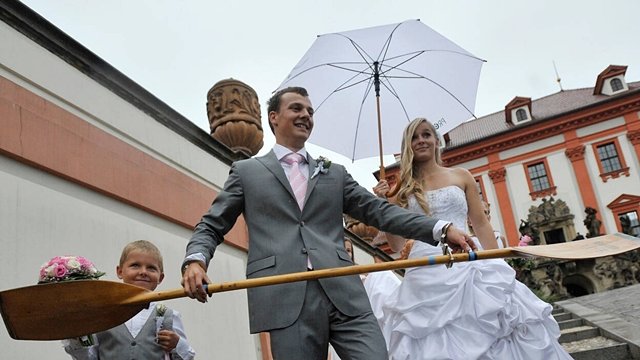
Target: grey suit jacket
x,y
281,236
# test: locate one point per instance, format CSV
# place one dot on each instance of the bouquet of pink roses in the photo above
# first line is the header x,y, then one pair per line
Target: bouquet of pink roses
x,y
65,268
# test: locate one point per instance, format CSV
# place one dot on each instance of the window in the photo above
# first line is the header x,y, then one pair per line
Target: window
x,y
625,209
539,179
521,115
608,156
616,85
610,159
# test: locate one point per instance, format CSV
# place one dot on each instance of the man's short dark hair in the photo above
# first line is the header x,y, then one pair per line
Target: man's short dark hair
x,y
273,104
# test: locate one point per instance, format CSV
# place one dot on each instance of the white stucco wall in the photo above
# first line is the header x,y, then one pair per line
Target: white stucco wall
x,y
564,179
608,191
43,73
42,215
562,172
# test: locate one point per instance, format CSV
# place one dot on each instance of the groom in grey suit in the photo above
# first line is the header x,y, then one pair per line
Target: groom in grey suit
x,y
286,237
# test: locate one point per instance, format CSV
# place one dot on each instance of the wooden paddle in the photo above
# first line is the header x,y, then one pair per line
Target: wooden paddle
x,y
71,309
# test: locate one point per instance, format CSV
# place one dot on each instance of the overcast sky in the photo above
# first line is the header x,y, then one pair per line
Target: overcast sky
x,y
177,50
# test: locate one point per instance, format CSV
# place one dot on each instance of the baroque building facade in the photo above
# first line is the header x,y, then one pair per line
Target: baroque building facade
x,y
560,168
581,146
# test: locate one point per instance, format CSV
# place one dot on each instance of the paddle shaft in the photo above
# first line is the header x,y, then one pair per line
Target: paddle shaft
x,y
35,312
325,273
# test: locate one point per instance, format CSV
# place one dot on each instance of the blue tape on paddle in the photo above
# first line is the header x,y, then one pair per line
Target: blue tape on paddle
x,y
472,256
432,260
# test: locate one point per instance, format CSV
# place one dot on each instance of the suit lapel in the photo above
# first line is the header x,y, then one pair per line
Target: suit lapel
x,y
270,161
312,182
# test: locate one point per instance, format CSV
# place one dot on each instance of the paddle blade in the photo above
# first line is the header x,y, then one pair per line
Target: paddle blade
x,y
599,246
65,310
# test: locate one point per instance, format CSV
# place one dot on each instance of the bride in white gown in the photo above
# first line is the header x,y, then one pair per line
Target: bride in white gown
x,y
474,310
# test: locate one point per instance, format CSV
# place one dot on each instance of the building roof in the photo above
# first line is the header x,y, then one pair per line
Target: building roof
x,y
542,109
28,22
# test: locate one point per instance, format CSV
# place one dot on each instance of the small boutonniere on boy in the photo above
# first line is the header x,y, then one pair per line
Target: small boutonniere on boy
x,y
161,309
322,166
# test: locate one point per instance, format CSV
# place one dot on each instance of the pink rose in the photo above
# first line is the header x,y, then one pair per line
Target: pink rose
x,y
83,261
60,271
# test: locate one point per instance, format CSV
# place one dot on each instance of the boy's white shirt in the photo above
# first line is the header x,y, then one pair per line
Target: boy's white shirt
x,y
135,324
78,352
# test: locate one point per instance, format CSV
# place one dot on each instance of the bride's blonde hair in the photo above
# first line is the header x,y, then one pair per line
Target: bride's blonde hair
x,y
409,183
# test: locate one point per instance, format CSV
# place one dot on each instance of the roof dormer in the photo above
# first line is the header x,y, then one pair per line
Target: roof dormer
x,y
611,81
518,110
447,139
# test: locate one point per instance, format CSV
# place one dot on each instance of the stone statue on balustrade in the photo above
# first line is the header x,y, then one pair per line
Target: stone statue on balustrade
x,y
529,229
591,222
625,224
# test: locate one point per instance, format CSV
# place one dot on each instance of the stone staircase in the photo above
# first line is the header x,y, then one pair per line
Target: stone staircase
x,y
586,341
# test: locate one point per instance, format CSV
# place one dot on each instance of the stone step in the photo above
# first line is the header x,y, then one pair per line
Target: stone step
x,y
586,341
563,316
598,348
578,333
557,310
570,323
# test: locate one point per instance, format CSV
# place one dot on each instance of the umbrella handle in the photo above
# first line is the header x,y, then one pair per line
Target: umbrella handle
x,y
393,192
382,174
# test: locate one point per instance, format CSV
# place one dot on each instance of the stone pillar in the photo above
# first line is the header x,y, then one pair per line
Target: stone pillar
x,y
634,139
233,110
498,177
576,156
575,153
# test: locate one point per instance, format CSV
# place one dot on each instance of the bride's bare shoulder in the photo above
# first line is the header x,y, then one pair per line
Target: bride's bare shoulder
x,y
459,172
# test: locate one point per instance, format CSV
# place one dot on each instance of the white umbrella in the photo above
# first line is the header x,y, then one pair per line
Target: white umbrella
x,y
395,72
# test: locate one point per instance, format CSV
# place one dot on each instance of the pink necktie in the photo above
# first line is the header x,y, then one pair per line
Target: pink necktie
x,y
296,179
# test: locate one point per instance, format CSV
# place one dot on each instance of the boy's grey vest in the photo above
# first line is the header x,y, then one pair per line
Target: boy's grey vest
x,y
118,344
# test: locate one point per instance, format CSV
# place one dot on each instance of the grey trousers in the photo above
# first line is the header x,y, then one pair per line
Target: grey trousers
x,y
320,323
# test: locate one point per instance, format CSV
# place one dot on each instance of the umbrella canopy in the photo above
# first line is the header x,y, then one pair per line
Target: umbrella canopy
x,y
421,74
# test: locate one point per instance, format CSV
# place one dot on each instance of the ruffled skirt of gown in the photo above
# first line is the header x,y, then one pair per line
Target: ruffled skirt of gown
x,y
474,310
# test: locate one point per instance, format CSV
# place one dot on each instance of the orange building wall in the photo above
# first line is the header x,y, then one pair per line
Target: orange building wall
x,y
43,135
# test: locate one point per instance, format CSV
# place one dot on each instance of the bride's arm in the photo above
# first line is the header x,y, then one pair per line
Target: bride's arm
x,y
481,225
396,243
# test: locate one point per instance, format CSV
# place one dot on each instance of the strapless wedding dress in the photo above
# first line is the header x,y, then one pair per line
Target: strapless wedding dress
x,y
474,310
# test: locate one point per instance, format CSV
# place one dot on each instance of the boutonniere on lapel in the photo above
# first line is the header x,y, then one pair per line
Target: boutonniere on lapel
x,y
322,166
